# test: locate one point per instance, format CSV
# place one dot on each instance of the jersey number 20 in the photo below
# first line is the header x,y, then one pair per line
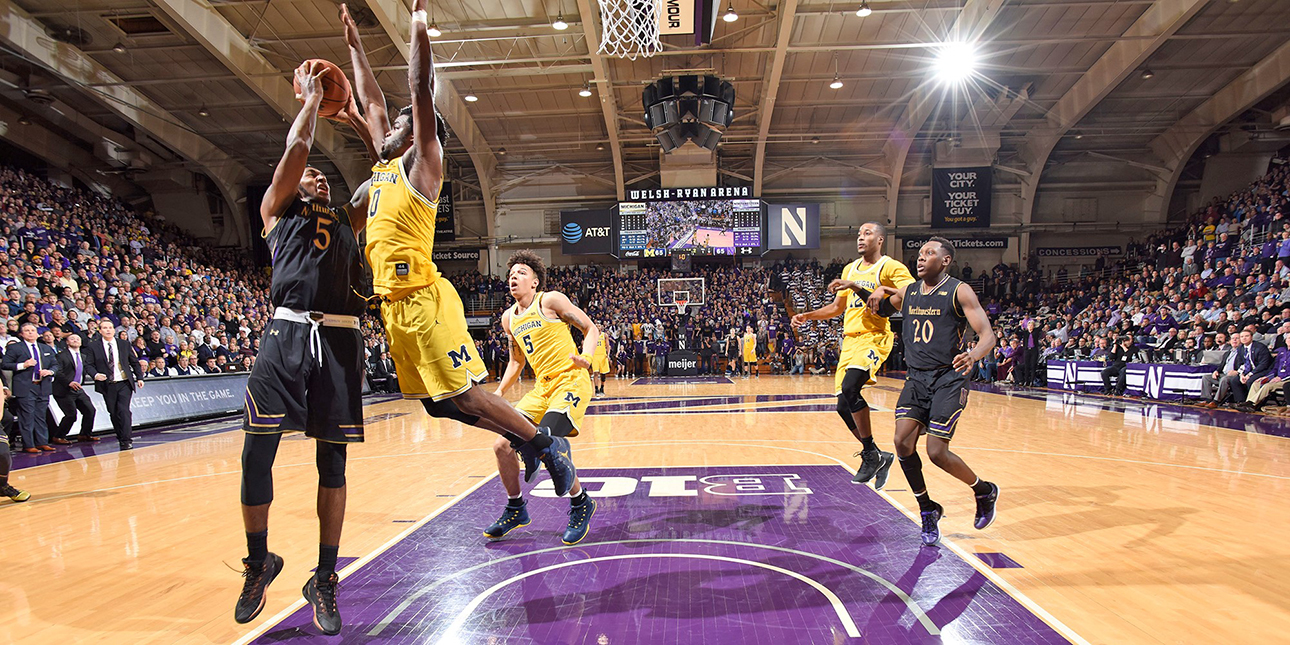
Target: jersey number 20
x,y
922,331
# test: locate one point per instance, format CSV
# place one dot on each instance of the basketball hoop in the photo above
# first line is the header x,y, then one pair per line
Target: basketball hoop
x,y
681,303
629,28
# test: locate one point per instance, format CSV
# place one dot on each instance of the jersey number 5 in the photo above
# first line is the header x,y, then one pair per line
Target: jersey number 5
x,y
322,238
528,344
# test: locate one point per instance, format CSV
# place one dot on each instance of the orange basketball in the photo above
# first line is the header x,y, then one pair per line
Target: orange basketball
x,y
335,88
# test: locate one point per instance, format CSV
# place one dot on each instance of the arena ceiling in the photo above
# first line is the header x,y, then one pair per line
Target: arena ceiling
x,y
206,84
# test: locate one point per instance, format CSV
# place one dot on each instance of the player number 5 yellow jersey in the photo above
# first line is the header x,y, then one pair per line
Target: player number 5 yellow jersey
x,y
546,343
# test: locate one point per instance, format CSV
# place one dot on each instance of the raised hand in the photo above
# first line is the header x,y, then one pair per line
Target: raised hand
x,y
307,80
351,29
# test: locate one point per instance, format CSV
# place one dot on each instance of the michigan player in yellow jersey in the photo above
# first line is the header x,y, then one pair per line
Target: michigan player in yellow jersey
x,y
434,355
749,345
600,365
538,329
866,341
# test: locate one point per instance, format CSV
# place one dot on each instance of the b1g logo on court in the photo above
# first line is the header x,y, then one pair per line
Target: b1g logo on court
x,y
732,485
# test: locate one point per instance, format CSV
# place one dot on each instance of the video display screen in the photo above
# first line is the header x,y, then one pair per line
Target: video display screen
x,y
699,226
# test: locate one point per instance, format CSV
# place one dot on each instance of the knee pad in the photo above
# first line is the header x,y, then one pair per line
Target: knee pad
x,y
556,424
258,453
851,390
331,464
447,409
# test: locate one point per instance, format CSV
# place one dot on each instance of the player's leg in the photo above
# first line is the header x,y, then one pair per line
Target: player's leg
x,y
568,405
320,589
515,514
260,567
949,397
6,462
911,417
854,410
275,403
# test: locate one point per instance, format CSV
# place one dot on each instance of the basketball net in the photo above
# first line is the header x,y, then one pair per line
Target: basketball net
x,y
681,304
629,28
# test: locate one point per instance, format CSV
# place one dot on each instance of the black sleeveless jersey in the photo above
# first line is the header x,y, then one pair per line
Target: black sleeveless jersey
x,y
316,263
934,325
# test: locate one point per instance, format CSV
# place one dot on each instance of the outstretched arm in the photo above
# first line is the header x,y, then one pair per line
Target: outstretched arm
x,y
356,209
516,362
377,123
286,177
560,305
831,310
426,172
976,317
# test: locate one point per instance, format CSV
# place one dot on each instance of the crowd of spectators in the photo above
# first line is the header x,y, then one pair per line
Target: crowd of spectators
x,y
1187,295
73,256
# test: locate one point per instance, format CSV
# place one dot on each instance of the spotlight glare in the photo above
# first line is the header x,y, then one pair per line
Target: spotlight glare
x,y
730,16
470,97
585,91
837,83
864,11
433,30
559,24
955,62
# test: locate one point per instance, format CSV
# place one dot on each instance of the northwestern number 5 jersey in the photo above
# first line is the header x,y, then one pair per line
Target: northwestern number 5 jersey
x,y
934,324
316,266
400,232
546,343
857,318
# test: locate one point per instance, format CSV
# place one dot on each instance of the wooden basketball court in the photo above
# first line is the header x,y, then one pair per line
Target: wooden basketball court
x,y
1133,524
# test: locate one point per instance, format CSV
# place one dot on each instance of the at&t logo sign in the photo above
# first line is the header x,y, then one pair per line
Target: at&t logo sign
x,y
574,232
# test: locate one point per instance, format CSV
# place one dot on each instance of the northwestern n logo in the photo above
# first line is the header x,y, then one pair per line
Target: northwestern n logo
x,y
459,356
792,229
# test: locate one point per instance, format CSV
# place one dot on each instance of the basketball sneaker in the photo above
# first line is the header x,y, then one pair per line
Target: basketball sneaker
x,y
873,463
579,521
931,525
322,595
513,517
985,506
530,457
559,465
258,577
14,494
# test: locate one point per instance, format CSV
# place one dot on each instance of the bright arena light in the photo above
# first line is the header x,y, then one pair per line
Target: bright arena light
x,y
955,62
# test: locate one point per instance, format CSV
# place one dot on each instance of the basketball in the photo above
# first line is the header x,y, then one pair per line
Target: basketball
x,y
335,88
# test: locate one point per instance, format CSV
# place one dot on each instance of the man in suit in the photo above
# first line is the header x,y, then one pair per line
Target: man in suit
x,y
32,364
70,396
184,368
116,377
1258,364
1117,365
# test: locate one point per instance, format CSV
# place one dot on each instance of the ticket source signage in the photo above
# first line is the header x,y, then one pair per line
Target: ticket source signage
x,y
961,197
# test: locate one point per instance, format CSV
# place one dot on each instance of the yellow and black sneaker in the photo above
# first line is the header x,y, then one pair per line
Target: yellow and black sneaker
x,y
14,494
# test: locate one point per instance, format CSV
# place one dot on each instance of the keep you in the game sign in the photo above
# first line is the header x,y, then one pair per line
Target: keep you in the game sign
x,y
961,197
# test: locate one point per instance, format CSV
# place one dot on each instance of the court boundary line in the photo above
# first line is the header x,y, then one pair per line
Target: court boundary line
x,y
354,566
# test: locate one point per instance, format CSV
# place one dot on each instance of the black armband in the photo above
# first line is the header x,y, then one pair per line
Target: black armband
x,y
886,309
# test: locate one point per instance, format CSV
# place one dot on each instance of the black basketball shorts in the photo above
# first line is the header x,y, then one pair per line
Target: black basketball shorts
x,y
935,399
290,391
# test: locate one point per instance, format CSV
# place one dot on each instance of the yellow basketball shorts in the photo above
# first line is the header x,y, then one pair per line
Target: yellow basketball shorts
x,y
750,356
568,392
862,352
600,364
434,355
